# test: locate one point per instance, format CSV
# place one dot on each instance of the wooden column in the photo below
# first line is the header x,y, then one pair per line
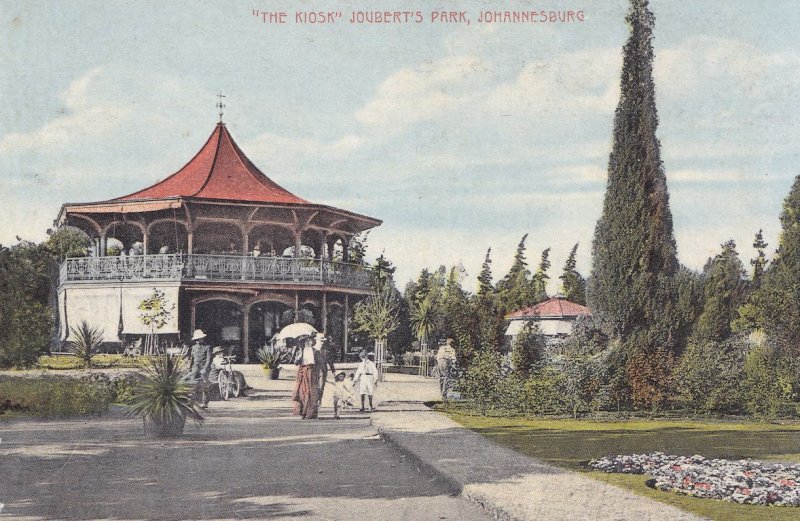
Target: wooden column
x,y
324,311
103,244
298,235
246,334
245,241
145,248
194,318
296,306
190,241
346,324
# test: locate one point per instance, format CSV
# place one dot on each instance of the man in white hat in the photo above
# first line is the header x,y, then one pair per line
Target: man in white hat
x,y
201,362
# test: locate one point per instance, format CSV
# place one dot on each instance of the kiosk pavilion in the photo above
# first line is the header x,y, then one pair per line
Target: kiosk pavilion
x,y
237,255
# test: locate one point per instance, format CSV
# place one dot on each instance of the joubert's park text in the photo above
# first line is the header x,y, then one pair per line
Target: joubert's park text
x,y
388,17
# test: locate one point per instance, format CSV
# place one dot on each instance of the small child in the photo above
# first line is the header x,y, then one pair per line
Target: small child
x,y
350,390
339,393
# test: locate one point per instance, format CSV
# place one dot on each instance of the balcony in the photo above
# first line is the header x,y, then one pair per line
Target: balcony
x,y
214,268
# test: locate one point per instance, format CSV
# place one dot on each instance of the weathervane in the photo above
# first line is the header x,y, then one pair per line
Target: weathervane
x,y
220,105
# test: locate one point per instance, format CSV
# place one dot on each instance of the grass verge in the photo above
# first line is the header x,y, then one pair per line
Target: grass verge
x,y
102,361
572,443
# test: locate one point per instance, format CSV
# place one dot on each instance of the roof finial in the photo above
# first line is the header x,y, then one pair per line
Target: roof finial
x,y
220,105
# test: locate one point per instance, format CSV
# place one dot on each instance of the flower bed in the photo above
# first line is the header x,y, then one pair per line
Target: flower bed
x,y
742,481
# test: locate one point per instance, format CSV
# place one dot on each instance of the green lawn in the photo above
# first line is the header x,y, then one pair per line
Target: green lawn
x,y
572,443
101,361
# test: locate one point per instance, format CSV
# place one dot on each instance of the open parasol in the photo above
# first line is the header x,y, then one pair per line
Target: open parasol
x,y
296,330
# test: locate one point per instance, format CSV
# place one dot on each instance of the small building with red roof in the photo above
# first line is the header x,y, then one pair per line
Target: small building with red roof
x,y
554,316
238,256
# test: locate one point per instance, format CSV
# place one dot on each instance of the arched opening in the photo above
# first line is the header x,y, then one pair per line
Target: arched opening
x,y
217,238
266,320
124,238
335,329
313,242
309,313
167,237
270,240
221,320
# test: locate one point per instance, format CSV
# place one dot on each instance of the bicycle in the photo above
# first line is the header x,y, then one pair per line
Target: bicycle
x,y
230,382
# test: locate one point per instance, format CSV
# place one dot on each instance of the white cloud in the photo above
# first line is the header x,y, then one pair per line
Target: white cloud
x,y
411,95
569,84
285,149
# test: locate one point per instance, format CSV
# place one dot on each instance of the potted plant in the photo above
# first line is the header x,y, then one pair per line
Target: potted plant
x,y
163,398
271,361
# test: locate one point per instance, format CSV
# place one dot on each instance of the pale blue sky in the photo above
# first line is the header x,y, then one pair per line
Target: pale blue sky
x,y
458,137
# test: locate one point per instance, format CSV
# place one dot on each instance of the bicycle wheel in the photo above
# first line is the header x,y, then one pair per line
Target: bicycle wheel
x,y
224,386
238,384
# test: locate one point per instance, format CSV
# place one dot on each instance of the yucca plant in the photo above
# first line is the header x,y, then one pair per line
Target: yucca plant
x,y
163,399
85,343
270,359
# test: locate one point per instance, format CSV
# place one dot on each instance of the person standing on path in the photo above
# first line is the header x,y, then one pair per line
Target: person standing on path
x,y
306,393
366,378
200,359
324,361
445,358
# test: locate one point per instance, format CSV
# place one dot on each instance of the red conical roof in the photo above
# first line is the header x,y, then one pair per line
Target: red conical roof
x,y
220,170
555,307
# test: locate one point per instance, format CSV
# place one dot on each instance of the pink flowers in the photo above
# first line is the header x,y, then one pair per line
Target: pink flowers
x,y
742,481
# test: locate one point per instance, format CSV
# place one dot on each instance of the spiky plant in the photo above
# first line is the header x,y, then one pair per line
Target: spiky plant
x,y
85,343
164,395
270,359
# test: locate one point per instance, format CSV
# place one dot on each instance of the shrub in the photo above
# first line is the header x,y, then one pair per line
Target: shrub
x,y
543,393
57,396
771,383
710,374
581,382
528,351
649,374
481,382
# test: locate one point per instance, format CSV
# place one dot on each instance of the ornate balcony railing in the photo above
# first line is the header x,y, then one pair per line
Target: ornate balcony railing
x,y
229,268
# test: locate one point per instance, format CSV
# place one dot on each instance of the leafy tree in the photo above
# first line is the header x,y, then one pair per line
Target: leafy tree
x,y
634,251
26,310
357,249
376,315
540,278
725,290
528,351
778,298
67,241
382,273
156,310
573,285
460,322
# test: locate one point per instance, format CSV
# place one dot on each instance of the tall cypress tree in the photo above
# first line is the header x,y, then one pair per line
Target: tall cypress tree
x,y
778,298
540,278
759,262
634,252
573,285
514,290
